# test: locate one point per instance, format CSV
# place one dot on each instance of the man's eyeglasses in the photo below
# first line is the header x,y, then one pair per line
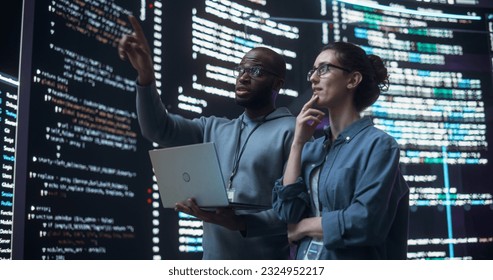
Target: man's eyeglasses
x,y
324,69
253,71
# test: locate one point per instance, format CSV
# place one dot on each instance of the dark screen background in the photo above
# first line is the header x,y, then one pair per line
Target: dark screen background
x,y
66,222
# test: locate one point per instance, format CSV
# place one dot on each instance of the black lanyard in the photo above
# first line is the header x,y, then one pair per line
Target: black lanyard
x,y
240,150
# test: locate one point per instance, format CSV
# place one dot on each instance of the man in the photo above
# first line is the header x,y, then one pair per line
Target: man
x,y
252,149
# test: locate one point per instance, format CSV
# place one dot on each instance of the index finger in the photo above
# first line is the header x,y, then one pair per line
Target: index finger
x,y
310,103
139,32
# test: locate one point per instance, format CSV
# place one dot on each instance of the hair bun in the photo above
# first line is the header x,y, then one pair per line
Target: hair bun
x,y
381,74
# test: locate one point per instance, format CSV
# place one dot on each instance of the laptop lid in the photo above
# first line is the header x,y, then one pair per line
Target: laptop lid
x,y
190,171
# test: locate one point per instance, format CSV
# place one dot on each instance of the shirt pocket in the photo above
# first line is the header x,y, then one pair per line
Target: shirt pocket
x,y
340,188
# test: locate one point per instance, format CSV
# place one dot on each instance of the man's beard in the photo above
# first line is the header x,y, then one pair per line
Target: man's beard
x,y
255,102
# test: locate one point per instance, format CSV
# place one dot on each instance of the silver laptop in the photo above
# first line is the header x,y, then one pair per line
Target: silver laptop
x,y
192,171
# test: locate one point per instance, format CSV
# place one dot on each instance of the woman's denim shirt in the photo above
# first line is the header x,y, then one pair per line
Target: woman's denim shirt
x,y
363,197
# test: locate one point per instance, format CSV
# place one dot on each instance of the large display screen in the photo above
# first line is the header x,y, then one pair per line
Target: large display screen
x,y
437,108
83,182
84,187
8,127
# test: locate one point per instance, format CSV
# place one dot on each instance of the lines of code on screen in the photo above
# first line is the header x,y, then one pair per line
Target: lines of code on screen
x,y
8,126
88,181
436,108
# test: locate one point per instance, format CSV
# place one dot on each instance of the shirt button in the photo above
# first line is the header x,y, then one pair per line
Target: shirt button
x,y
348,138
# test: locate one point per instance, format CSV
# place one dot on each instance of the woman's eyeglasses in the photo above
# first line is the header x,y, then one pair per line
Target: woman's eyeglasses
x,y
324,69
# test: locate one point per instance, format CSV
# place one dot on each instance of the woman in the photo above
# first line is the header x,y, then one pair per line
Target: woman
x,y
343,195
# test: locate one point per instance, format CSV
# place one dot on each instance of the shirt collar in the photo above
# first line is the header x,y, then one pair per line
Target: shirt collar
x,y
350,132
